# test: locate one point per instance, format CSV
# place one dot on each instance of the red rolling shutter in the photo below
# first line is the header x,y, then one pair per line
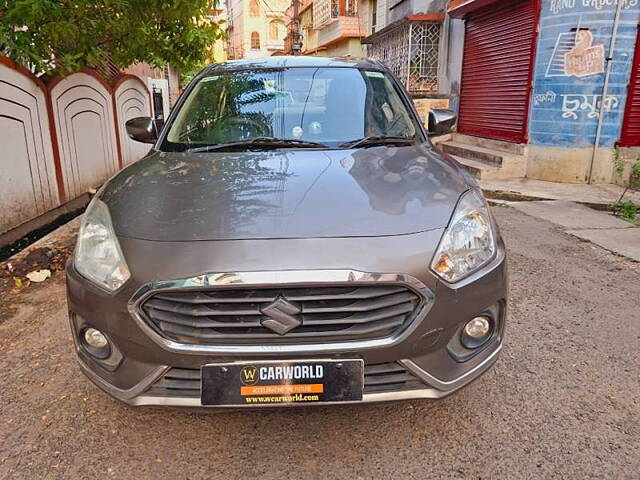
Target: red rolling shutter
x,y
497,69
630,136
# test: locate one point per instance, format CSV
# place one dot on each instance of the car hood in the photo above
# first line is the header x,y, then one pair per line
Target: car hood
x,y
284,194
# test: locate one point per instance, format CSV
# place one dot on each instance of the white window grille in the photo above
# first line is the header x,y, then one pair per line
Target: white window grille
x,y
410,51
423,67
351,8
322,13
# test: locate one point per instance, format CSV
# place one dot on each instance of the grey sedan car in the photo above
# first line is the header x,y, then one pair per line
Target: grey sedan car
x,y
292,238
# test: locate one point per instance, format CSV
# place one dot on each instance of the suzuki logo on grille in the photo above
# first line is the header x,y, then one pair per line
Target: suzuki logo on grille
x,y
281,316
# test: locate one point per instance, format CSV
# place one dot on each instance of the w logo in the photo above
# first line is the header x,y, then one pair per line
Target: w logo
x,y
249,375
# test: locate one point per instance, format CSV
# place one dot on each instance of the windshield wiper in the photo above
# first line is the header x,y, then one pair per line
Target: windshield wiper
x,y
378,140
260,142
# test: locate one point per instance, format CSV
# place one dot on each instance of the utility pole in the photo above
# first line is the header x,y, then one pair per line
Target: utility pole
x,y
294,32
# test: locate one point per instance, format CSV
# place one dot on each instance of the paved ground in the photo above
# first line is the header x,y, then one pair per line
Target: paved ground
x,y
597,194
562,402
599,227
571,215
623,242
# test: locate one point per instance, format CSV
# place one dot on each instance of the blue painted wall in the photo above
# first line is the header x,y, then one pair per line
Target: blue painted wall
x,y
564,106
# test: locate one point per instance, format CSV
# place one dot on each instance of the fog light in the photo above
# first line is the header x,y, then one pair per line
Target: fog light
x,y
95,338
479,327
95,343
476,332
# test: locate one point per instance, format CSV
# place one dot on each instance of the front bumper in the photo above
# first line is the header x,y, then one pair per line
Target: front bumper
x,y
137,396
141,357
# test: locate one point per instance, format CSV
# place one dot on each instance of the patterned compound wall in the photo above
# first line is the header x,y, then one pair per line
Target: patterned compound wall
x,y
131,101
85,126
28,185
61,139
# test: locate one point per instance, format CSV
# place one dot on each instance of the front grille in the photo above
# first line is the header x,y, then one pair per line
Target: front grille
x,y
324,313
389,377
378,378
177,382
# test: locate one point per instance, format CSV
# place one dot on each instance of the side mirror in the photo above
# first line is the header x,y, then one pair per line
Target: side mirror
x,y
441,121
142,129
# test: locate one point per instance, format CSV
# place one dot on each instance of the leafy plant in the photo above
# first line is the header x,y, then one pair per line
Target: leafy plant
x,y
634,176
627,210
634,179
186,75
61,36
618,162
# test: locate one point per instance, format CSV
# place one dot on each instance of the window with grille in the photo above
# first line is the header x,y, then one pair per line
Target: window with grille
x,y
410,51
322,13
351,8
255,41
425,38
275,29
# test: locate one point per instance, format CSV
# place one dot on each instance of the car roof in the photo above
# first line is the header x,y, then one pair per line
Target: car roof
x,y
296,61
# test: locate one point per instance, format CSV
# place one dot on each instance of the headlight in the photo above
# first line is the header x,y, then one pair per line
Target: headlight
x,y
98,257
468,242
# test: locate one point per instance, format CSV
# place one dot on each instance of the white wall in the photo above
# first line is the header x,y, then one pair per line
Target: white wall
x,y
132,100
27,171
85,125
451,54
164,86
398,10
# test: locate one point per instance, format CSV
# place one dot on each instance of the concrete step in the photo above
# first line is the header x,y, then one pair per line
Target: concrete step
x,y
476,167
473,152
505,165
512,167
439,139
491,144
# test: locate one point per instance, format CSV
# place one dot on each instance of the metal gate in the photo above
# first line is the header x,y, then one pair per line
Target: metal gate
x,y
497,70
630,136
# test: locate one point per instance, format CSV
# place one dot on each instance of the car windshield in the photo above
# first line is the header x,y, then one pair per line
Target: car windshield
x,y
330,106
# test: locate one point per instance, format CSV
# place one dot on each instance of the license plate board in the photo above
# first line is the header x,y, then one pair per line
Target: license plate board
x,y
282,382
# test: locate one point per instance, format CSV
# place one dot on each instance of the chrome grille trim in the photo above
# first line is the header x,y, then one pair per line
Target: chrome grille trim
x,y
277,280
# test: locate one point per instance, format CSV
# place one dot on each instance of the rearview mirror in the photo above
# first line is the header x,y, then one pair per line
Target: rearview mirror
x,y
142,129
441,121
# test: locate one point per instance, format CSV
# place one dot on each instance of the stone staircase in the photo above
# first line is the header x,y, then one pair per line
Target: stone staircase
x,y
487,159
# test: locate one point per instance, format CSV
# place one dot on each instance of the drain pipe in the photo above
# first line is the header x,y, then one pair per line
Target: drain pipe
x,y
605,89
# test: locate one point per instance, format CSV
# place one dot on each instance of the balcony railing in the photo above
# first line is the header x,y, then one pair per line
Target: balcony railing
x,y
327,11
339,27
274,45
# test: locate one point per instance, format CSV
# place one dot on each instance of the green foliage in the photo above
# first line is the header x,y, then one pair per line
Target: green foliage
x,y
627,210
634,179
619,165
618,162
186,75
65,35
